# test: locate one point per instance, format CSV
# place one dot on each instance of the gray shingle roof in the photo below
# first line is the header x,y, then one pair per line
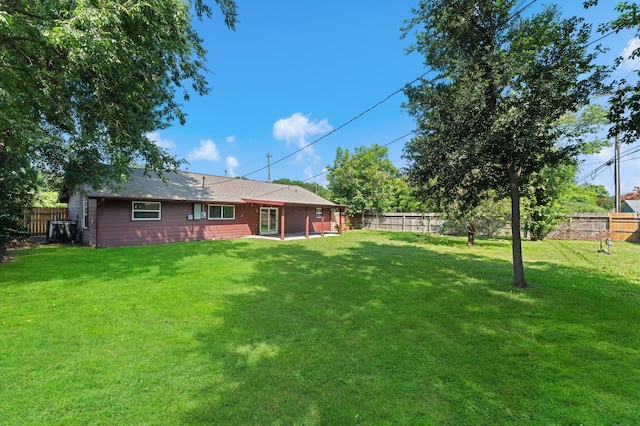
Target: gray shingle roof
x,y
634,205
198,187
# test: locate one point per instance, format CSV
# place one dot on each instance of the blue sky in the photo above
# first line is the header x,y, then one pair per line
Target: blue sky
x,y
295,71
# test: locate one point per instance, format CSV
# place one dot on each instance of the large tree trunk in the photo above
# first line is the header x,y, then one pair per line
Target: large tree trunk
x,y
471,232
516,246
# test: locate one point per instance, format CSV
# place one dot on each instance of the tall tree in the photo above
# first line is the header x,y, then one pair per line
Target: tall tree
x,y
542,209
487,118
586,198
311,186
83,81
624,110
364,181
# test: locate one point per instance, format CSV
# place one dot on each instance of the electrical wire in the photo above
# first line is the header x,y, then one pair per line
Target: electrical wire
x,y
607,164
517,13
512,16
327,171
342,125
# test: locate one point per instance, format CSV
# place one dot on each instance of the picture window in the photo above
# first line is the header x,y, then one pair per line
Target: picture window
x,y
219,211
146,210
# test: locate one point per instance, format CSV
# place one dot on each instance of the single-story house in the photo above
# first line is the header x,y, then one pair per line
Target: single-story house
x,y
630,206
193,207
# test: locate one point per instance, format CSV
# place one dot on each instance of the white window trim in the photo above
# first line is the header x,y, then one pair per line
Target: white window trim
x,y
133,211
222,206
85,214
319,216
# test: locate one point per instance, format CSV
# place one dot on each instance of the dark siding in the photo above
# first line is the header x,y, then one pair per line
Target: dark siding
x,y
74,206
316,224
116,228
295,219
110,224
88,235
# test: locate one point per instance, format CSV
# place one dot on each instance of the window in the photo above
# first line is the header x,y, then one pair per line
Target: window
x,y
319,213
217,211
199,211
145,210
85,214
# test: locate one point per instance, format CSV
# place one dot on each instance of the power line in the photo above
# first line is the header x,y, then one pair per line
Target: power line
x,y
515,14
606,165
622,155
327,171
600,38
342,125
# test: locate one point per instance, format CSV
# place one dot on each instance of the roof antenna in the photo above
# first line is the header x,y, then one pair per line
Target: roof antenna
x,y
203,186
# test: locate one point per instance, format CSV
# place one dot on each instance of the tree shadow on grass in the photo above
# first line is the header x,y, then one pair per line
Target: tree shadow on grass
x,y
446,240
361,330
398,333
78,265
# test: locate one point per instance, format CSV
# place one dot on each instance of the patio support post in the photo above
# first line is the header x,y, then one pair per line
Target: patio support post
x,y
306,224
282,223
322,223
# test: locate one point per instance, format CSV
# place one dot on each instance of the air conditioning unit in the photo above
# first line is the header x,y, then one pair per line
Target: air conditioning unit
x,y
61,231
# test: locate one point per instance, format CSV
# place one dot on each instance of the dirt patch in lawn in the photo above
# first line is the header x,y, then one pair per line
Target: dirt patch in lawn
x,y
21,243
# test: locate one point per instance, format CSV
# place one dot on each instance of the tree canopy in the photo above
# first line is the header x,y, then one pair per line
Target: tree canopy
x,y
624,110
364,181
488,118
83,82
313,187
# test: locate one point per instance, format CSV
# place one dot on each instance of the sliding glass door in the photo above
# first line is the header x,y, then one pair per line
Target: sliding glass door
x,y
268,220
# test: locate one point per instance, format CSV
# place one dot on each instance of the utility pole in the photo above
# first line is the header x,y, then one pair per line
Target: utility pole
x,y
617,157
269,167
617,165
617,172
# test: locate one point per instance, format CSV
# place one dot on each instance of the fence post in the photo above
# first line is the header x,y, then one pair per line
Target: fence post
x,y
610,227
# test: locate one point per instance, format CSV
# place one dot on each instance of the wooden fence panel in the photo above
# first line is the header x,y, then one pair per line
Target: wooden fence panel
x,y
36,220
596,226
579,226
412,222
625,227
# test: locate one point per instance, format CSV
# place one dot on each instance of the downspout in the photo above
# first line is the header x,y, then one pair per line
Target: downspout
x,y
97,227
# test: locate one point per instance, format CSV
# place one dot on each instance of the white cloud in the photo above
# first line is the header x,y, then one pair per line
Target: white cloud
x,y
207,151
231,164
308,172
162,143
320,177
230,139
628,63
298,128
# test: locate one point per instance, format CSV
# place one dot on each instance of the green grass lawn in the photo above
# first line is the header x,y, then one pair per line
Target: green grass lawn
x,y
366,328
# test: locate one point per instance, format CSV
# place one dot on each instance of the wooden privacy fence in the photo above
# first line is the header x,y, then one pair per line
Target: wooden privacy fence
x,y
430,223
579,226
36,220
596,226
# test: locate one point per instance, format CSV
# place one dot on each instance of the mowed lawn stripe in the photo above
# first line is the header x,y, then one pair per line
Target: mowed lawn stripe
x,y
366,328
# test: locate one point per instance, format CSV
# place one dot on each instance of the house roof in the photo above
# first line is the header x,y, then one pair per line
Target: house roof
x,y
198,187
634,205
